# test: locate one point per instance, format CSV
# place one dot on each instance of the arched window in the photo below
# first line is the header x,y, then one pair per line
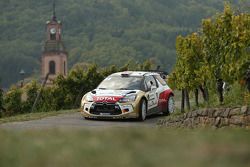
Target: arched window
x,y
52,67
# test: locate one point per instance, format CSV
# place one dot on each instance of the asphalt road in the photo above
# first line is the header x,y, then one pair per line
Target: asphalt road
x,y
75,120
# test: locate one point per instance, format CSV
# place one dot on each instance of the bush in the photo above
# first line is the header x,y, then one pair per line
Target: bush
x,y
235,96
1,102
46,101
247,98
31,90
13,101
1,99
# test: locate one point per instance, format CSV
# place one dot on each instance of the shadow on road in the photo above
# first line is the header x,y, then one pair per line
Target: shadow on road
x,y
154,116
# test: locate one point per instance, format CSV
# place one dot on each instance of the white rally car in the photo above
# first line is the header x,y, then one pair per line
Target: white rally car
x,y
130,94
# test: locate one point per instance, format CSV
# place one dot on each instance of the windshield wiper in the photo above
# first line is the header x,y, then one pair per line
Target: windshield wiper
x,y
102,88
122,89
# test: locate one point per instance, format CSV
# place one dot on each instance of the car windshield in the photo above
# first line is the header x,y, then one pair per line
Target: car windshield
x,y
121,83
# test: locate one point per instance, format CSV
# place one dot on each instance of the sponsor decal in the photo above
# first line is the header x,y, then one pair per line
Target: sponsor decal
x,y
106,98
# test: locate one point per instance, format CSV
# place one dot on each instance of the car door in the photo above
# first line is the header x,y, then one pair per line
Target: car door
x,y
151,86
162,93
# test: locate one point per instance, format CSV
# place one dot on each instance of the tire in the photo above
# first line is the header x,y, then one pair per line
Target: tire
x,y
170,106
87,118
143,110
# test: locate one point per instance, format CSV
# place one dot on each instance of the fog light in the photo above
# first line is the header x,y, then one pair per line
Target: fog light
x,y
125,110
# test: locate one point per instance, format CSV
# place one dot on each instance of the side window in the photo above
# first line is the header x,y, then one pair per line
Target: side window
x,y
143,85
150,81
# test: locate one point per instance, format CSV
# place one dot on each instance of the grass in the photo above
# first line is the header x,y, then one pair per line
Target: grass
x,y
125,147
33,116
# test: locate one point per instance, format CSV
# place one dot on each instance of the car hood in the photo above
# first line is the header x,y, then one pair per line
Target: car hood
x,y
110,96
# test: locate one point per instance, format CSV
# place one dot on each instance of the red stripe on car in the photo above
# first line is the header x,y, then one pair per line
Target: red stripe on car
x,y
163,99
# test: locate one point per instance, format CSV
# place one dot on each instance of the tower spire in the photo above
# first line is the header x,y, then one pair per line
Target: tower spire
x,y
54,11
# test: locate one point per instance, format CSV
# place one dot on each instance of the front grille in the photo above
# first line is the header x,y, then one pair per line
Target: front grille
x,y
105,109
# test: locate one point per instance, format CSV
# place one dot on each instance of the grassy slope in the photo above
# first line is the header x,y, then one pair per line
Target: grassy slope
x,y
33,116
125,147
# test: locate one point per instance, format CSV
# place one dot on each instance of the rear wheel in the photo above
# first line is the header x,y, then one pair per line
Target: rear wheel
x,y
143,110
170,106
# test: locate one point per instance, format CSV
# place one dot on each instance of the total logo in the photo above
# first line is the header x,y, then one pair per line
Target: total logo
x,y
105,99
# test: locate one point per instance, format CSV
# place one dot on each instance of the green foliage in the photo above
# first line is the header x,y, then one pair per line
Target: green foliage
x,y
220,51
70,90
108,32
47,101
1,99
188,68
226,43
31,90
13,101
237,96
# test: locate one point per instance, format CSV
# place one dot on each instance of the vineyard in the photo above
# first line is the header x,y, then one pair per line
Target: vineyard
x,y
213,58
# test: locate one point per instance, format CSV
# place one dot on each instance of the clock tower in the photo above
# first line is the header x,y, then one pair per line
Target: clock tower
x,y
54,55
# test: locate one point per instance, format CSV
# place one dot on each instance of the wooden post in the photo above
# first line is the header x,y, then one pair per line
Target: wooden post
x,y
39,93
182,101
187,99
196,93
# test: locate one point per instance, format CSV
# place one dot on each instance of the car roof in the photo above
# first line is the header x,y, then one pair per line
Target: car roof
x,y
134,73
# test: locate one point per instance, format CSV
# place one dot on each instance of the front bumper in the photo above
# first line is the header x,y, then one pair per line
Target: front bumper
x,y
110,111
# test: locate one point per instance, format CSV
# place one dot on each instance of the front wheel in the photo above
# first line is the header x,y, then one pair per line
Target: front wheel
x,y
143,110
170,106
87,118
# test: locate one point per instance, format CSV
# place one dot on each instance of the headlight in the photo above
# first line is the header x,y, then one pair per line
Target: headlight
x,y
128,98
89,98
82,102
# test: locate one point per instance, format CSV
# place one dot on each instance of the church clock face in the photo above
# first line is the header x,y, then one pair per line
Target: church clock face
x,y
52,30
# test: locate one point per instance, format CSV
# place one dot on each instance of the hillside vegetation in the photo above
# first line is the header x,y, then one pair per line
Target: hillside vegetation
x,y
97,31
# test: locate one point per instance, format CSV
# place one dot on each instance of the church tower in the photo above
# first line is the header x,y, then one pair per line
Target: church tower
x,y
54,56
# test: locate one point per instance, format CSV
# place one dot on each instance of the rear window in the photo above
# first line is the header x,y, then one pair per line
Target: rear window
x,y
159,79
